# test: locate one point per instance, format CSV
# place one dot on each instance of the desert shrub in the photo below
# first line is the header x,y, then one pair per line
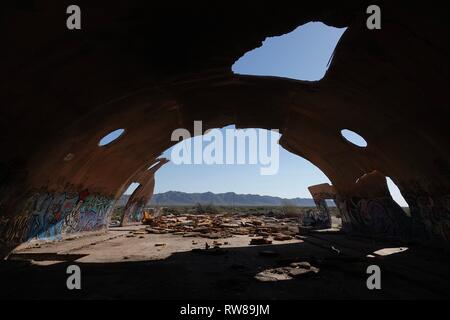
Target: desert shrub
x,y
290,210
205,209
172,210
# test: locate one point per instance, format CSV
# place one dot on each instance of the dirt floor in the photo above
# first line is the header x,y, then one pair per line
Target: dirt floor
x,y
129,262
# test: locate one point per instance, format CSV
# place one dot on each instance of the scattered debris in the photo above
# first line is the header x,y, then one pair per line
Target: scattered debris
x,y
214,235
155,231
295,270
303,264
192,234
277,274
336,250
282,237
160,244
222,226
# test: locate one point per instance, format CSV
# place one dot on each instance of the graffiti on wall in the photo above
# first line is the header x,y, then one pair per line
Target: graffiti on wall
x,y
14,229
431,216
93,213
378,217
318,219
49,215
133,212
90,214
320,193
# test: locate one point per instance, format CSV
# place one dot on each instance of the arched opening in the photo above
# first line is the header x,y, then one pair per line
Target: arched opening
x,y
123,205
221,185
397,196
131,188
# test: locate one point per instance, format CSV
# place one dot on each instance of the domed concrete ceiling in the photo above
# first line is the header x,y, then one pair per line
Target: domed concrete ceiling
x,y
151,67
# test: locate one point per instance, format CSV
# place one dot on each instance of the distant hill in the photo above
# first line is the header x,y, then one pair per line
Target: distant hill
x,y
176,198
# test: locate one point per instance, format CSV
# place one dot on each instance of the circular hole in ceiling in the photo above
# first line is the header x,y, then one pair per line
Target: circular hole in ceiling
x,y
354,138
110,137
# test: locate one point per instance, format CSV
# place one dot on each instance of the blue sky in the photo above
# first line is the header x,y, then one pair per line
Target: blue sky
x,y
294,176
303,54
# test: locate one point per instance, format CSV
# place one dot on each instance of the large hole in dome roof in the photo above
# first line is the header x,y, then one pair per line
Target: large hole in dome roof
x,y
303,54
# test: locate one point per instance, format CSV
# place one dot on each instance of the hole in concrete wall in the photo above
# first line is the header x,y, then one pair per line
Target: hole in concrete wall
x,y
303,54
336,217
354,138
153,165
397,196
295,174
119,207
110,137
131,188
239,188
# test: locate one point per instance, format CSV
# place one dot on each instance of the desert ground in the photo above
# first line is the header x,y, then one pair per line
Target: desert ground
x,y
158,261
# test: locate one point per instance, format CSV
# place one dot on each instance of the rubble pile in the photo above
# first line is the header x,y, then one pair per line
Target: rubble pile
x,y
294,270
219,226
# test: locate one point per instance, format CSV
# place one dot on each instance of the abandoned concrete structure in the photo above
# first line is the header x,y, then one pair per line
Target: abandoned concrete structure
x,y
142,195
321,193
150,67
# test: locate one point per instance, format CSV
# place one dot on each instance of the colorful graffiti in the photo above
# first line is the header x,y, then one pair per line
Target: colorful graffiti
x,y
48,216
318,219
14,229
133,212
93,213
320,193
376,217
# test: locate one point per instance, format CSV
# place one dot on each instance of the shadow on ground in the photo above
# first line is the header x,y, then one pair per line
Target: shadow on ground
x,y
230,274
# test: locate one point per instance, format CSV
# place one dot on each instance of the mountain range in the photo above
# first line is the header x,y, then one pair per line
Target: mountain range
x,y
177,198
